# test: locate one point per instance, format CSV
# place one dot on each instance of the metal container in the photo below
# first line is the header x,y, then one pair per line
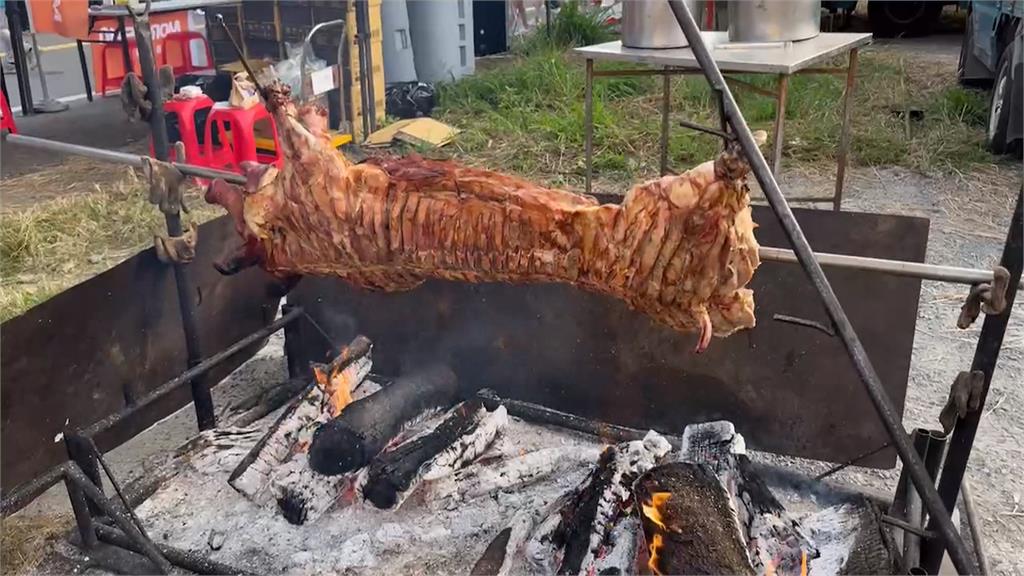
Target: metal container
x,y
773,20
651,24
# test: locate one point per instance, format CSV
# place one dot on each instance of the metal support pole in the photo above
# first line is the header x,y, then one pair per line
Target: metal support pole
x,y
47,104
187,559
20,59
883,404
781,95
201,397
85,70
666,105
844,134
80,452
74,474
588,126
990,341
975,528
83,517
126,53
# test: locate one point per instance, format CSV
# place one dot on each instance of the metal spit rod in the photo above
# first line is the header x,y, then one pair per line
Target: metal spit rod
x,y
951,274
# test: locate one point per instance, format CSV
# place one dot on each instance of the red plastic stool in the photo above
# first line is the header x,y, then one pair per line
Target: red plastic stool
x,y
178,52
185,110
242,140
7,117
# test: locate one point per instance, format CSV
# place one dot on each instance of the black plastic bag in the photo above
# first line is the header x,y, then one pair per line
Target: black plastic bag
x,y
409,99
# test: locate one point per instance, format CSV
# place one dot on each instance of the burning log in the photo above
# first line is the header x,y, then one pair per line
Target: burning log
x,y
365,427
293,431
688,522
486,478
463,435
775,541
571,541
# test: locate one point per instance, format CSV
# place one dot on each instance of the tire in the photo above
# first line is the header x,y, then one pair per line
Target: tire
x,y
892,18
999,105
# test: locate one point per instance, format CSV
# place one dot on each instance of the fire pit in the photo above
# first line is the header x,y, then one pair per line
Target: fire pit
x,y
457,487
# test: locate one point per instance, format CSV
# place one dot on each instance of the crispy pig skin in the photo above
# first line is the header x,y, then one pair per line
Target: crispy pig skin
x,y
680,249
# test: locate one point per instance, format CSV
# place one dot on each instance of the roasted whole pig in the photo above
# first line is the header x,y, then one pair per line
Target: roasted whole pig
x,y
680,249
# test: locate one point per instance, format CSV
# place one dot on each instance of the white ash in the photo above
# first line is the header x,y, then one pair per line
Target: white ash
x,y
357,539
463,451
505,472
618,554
469,447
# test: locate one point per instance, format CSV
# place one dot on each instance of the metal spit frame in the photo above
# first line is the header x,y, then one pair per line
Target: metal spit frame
x,y
81,473
989,342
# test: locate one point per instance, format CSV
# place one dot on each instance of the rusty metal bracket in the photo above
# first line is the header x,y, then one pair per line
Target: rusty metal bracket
x,y
165,182
964,397
177,249
987,297
134,98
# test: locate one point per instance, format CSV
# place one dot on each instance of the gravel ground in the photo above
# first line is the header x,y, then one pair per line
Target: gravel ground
x,y
969,217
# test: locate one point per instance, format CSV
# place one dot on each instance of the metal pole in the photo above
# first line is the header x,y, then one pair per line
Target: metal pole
x,y
975,528
588,126
85,70
73,473
48,104
666,104
134,160
781,96
990,341
844,135
201,397
883,404
20,59
187,559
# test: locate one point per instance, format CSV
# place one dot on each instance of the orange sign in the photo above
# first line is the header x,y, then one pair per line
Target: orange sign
x,y
68,18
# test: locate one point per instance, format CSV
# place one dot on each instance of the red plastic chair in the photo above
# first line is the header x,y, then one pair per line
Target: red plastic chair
x,y
178,52
7,117
112,64
185,111
241,143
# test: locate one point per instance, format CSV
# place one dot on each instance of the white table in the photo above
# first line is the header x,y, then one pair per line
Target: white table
x,y
780,59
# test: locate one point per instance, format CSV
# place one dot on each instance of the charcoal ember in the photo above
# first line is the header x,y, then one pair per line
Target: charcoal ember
x,y
680,249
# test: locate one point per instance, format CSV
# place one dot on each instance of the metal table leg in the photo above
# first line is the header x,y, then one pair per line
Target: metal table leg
x,y
588,125
666,105
781,95
844,134
85,70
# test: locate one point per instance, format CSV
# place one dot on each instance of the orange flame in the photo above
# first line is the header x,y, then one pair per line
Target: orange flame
x,y
336,387
769,569
651,510
652,563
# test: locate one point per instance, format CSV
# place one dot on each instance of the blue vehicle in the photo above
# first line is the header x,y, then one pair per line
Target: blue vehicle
x,y
992,53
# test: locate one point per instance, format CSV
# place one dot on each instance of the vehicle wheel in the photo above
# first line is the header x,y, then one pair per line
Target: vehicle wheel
x,y
999,106
890,18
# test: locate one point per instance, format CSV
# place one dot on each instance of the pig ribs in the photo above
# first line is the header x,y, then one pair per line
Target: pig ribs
x,y
680,249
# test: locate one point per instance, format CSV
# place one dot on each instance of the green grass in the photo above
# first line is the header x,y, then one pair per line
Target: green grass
x,y
525,115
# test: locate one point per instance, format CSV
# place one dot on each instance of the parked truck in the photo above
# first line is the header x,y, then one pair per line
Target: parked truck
x,y
992,54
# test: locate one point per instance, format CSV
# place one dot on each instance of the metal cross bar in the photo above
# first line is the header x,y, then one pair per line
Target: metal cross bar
x,y
883,404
